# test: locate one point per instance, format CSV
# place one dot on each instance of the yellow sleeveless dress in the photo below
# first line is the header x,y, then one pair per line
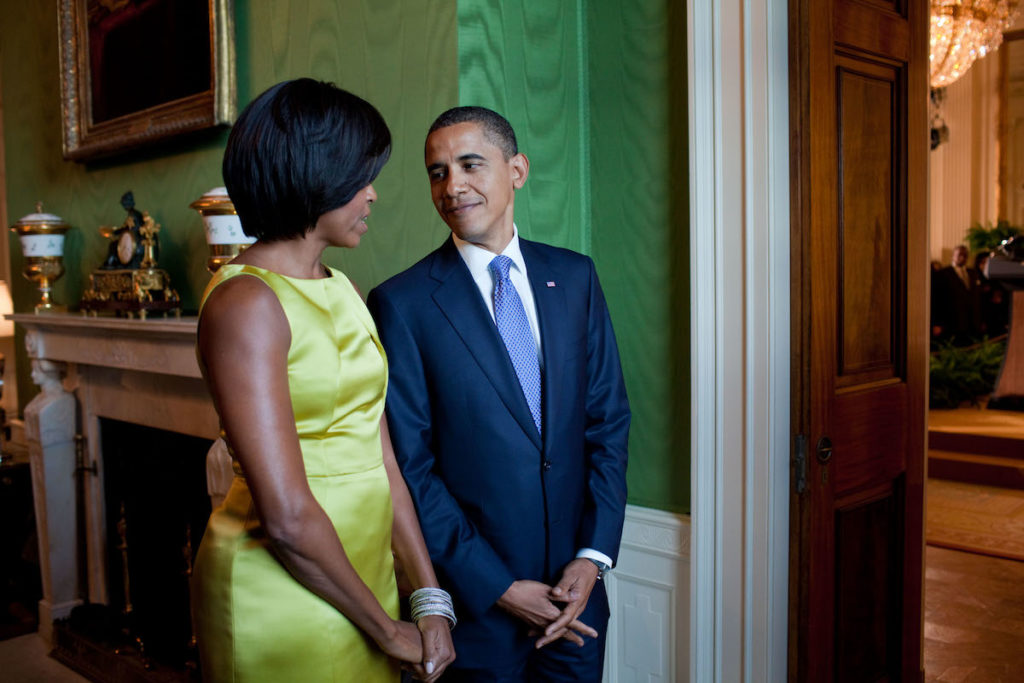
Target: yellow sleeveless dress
x,y
254,622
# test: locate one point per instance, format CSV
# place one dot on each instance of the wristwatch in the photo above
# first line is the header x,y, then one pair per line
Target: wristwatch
x,y
602,568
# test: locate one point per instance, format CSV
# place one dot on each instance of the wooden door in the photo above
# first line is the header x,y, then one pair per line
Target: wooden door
x,y
859,164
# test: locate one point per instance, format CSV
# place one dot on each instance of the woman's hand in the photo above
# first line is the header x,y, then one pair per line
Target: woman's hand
x,y
438,651
413,569
404,644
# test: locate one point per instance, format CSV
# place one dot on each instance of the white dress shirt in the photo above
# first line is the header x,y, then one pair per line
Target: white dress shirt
x,y
477,260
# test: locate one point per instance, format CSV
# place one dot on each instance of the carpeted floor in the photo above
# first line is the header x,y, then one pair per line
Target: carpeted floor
x,y
975,518
26,660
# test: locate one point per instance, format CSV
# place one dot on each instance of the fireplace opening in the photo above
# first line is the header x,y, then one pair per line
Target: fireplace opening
x,y
157,506
20,583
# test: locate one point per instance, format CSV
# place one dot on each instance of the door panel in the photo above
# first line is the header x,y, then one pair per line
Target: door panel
x,y
859,123
868,537
869,437
869,232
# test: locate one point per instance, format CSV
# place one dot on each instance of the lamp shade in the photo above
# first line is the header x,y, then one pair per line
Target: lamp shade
x,y
6,307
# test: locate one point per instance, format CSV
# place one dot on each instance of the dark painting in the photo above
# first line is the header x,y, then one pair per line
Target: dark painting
x,y
136,72
143,53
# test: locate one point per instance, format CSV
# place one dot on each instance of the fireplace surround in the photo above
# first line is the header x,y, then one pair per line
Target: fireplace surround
x,y
142,372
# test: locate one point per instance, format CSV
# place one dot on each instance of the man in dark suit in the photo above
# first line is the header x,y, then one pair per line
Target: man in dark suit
x,y
956,301
509,417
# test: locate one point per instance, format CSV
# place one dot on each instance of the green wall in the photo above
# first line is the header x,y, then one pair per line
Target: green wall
x,y
640,208
594,88
398,55
525,60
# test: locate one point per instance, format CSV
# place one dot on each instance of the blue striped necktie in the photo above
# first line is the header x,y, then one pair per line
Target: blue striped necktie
x,y
510,317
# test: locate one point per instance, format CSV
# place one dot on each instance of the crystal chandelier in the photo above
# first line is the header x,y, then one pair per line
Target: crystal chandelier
x,y
963,31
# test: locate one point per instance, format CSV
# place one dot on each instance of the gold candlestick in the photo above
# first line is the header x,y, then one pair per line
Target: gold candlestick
x,y
42,244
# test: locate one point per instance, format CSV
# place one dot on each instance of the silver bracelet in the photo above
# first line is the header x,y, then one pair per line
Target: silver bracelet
x,y
425,602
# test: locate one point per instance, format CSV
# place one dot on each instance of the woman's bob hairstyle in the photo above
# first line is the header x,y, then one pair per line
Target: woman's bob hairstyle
x,y
301,149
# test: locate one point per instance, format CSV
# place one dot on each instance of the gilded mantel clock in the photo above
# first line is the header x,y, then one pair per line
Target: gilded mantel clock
x,y
128,282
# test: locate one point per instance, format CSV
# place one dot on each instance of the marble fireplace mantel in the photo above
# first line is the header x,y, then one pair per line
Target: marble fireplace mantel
x,y
138,371
155,345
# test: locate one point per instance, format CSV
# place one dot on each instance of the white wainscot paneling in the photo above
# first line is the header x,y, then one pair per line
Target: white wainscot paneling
x,y
649,593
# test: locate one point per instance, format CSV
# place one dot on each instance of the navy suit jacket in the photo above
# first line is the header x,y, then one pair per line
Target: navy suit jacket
x,y
496,502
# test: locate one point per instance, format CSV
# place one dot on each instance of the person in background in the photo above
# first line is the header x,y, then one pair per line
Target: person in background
x,y
956,304
295,576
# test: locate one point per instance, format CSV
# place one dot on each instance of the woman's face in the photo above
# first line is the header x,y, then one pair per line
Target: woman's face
x,y
346,225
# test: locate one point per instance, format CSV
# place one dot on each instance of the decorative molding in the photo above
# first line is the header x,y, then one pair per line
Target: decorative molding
x,y
739,316
648,593
657,532
704,253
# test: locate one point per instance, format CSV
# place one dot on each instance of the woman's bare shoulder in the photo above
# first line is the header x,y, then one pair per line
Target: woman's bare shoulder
x,y
241,308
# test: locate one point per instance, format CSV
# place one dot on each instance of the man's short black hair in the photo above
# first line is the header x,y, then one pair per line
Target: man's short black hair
x,y
496,127
301,149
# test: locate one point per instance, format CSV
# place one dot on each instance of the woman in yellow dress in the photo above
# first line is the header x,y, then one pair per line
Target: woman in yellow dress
x,y
295,575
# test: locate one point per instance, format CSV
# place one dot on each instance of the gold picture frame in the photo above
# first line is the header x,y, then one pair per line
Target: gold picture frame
x,y
134,72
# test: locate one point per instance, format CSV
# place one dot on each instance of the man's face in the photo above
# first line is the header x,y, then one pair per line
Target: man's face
x,y
959,256
473,185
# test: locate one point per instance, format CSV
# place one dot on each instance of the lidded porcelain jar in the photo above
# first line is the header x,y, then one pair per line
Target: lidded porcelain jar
x,y
42,245
224,234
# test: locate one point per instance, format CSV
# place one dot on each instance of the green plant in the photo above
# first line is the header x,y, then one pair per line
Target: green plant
x,y
987,237
964,373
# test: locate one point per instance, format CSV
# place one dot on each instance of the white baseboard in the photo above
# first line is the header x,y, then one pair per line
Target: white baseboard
x,y
48,613
649,595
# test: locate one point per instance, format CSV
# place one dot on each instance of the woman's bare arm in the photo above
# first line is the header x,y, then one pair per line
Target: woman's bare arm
x,y
414,560
244,338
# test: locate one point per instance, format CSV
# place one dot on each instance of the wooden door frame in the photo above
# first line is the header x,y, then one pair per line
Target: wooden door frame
x,y
738,80
808,26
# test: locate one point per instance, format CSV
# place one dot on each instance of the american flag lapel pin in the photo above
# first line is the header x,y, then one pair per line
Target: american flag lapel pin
x,y
551,283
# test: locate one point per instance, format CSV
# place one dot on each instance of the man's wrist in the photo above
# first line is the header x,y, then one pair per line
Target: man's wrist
x,y
600,560
507,599
602,568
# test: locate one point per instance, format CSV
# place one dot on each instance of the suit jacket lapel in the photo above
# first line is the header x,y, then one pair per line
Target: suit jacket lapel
x,y
459,300
549,297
